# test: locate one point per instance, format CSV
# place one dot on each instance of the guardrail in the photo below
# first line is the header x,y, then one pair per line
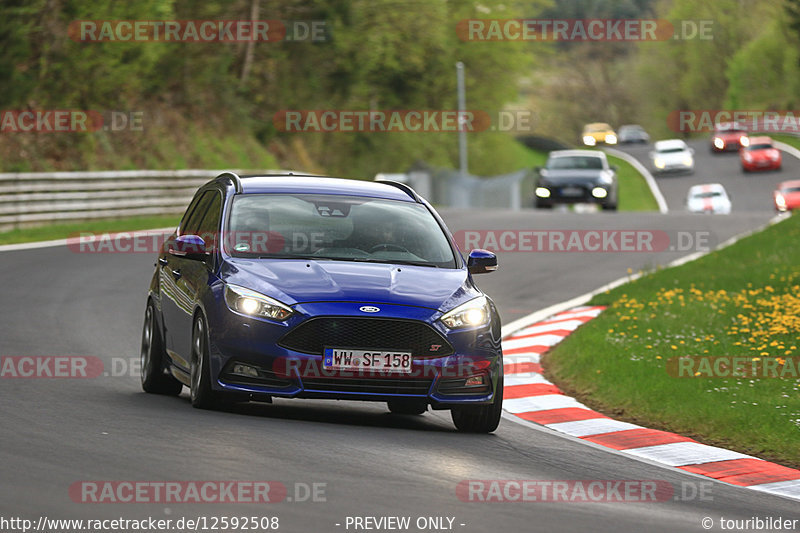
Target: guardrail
x,y
34,198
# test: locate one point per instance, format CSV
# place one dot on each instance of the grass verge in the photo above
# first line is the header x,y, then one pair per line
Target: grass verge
x,y
742,301
634,194
791,140
62,231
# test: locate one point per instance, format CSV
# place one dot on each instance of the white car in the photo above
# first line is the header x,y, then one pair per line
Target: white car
x,y
708,198
672,155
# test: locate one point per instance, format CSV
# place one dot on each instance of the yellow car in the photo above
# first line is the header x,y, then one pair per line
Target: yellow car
x,y
598,132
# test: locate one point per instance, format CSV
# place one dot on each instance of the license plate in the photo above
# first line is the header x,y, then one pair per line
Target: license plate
x,y
369,360
572,191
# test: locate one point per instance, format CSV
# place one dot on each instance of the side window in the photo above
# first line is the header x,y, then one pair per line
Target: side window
x,y
188,213
193,222
209,228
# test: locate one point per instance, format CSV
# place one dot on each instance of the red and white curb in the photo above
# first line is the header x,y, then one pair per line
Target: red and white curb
x,y
531,397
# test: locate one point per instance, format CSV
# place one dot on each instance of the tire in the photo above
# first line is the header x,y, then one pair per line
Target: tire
x,y
152,358
544,206
407,407
479,418
609,207
202,395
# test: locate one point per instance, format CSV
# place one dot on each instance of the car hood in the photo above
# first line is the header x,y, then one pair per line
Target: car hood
x,y
792,198
575,175
760,155
302,281
716,203
728,136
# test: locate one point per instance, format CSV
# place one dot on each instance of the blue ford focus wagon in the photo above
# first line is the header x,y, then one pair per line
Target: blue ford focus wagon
x,y
295,286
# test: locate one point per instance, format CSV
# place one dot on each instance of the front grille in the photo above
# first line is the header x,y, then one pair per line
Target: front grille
x,y
418,387
313,335
584,194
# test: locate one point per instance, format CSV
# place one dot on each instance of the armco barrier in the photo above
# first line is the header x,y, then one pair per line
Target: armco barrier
x,y
34,198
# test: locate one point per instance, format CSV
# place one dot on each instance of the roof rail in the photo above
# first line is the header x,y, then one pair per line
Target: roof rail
x,y
233,177
403,187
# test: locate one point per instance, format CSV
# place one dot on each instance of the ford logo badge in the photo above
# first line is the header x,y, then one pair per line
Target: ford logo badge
x,y
369,309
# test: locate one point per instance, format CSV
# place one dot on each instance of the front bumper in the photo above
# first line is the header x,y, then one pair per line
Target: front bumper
x,y
251,356
573,194
761,164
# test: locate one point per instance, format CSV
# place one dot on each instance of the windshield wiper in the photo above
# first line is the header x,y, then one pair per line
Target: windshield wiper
x,y
285,256
394,262
353,259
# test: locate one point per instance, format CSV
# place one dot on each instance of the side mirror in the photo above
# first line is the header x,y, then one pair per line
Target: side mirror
x,y
614,168
190,247
691,151
481,261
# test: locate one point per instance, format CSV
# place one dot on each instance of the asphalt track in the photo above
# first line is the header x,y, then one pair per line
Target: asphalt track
x,y
56,432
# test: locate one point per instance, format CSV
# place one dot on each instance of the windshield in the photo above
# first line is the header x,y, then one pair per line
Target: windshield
x,y
787,190
712,194
588,162
333,227
763,146
672,150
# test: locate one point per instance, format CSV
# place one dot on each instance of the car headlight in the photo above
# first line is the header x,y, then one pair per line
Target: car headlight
x,y
611,139
659,163
471,314
252,303
588,140
748,157
688,161
719,143
599,192
744,141
542,192
774,155
780,201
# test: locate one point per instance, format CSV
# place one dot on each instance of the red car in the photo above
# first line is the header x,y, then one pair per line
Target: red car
x,y
760,154
728,137
787,196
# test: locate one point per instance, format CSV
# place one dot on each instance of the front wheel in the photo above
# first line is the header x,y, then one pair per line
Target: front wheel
x,y
202,395
480,418
152,359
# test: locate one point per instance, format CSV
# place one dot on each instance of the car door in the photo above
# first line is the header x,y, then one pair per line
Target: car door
x,y
174,306
192,277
